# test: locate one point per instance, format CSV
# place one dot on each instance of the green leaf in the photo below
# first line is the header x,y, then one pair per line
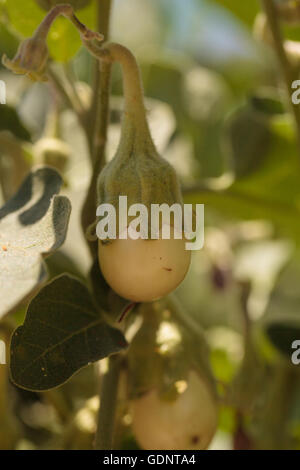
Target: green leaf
x,y
32,223
63,332
63,40
10,121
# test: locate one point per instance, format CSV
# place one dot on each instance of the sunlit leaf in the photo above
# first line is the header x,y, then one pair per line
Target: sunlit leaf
x,y
32,223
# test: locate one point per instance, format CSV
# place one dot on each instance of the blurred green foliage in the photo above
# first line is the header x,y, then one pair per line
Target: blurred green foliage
x,y
226,126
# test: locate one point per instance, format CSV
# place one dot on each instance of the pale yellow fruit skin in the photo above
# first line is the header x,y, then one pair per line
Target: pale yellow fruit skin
x,y
144,270
187,423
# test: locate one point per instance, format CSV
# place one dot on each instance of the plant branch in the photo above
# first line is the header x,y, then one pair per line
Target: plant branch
x,y
67,98
286,68
71,102
108,402
98,134
71,84
103,23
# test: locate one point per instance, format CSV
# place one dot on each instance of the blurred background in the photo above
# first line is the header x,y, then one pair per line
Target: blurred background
x,y
219,113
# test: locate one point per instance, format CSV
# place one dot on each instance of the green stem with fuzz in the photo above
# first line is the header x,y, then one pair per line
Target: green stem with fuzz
x,y
134,121
134,111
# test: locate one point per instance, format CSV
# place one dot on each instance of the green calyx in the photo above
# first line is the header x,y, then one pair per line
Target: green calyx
x,y
139,173
137,170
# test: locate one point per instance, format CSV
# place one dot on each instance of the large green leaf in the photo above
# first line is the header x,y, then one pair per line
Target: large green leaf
x,y
63,332
64,41
32,223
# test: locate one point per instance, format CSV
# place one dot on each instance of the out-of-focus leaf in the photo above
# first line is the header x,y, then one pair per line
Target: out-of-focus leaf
x,y
14,163
164,81
24,18
32,223
10,121
244,392
63,40
207,101
267,103
248,139
222,367
244,11
282,317
282,337
8,42
63,332
272,193
207,146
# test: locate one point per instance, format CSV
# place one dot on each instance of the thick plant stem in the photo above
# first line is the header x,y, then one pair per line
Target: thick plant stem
x,y
104,10
286,68
97,137
108,402
102,114
98,151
